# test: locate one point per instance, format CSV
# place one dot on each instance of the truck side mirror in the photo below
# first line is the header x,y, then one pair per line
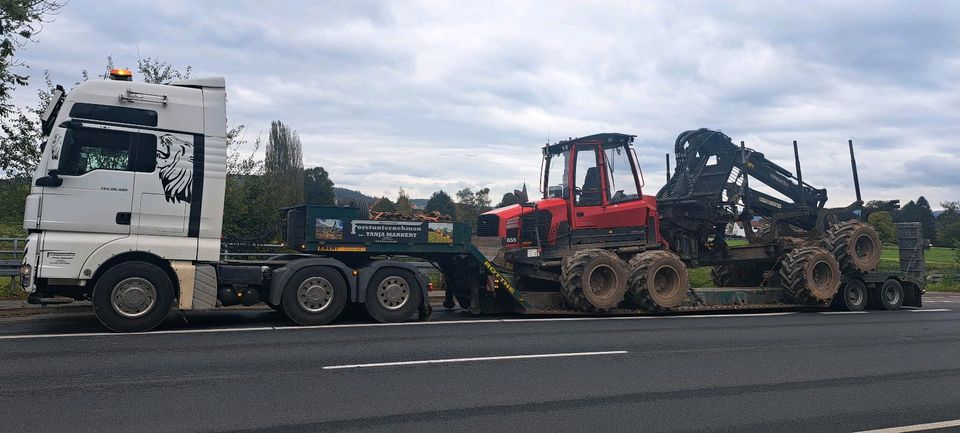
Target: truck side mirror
x,y
51,179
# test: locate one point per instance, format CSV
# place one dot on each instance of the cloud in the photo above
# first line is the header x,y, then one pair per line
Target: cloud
x,y
430,95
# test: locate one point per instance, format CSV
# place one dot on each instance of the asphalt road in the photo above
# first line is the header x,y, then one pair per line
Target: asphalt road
x,y
251,371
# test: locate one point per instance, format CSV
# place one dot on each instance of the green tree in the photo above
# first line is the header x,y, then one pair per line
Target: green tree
x,y
317,187
919,211
951,234
471,204
404,206
383,205
20,20
950,215
283,165
883,223
441,202
157,71
507,200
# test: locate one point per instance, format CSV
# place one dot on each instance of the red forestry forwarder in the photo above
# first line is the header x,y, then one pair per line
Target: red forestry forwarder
x,y
610,248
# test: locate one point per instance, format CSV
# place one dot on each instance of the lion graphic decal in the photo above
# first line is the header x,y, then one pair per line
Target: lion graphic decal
x,y
175,161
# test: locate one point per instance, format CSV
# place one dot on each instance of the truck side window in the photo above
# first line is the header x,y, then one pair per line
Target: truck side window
x,y
587,177
86,150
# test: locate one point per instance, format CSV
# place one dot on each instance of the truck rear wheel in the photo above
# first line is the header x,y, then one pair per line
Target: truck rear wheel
x,y
132,297
856,245
392,295
852,297
658,280
314,296
810,274
890,296
593,280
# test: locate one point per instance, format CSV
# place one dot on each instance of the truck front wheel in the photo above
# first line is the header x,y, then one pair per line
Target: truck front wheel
x,y
132,297
314,296
392,295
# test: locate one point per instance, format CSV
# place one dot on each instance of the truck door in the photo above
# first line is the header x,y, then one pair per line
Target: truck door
x,y
162,196
96,164
587,188
624,207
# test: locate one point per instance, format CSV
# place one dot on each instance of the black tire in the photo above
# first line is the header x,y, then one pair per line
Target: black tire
x,y
314,296
738,275
593,280
132,297
890,296
856,245
810,274
657,281
393,295
853,296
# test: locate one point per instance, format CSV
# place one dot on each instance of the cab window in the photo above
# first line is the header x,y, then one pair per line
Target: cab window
x,y
587,178
86,150
620,177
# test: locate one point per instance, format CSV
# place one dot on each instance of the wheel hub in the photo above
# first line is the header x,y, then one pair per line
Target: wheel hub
x,y
665,279
133,297
315,294
602,279
393,293
863,247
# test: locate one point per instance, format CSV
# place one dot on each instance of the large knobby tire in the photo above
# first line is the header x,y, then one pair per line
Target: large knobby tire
x,y
853,296
657,280
132,297
314,296
856,245
810,274
738,275
393,295
890,295
593,280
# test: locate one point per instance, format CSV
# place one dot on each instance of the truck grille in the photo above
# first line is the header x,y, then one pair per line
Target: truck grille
x,y
488,225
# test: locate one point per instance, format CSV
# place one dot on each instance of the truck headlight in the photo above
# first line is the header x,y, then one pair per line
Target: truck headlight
x,y
25,271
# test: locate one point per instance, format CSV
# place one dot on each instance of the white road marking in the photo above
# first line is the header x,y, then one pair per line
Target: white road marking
x,y
477,359
843,312
931,310
916,427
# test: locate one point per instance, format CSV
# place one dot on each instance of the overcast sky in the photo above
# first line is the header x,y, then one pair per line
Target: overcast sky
x,y
431,95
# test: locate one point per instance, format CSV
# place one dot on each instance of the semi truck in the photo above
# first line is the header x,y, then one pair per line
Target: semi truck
x,y
126,206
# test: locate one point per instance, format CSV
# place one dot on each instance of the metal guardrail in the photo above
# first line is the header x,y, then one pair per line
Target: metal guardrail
x,y
11,255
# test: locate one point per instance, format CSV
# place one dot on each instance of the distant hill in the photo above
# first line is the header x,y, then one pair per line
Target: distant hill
x,y
347,194
420,203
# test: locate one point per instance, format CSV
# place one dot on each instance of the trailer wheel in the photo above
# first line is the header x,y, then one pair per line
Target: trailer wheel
x,y
392,295
856,245
593,280
132,297
852,297
810,274
658,280
314,296
891,295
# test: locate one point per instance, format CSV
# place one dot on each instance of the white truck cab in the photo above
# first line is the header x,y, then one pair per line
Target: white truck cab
x,y
126,210
131,174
